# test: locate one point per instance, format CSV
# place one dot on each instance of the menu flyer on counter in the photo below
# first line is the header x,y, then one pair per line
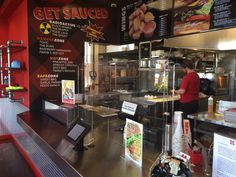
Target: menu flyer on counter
x,y
193,16
224,156
133,138
68,91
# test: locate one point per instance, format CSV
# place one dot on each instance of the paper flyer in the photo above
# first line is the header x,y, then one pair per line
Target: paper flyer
x,y
224,159
133,137
68,91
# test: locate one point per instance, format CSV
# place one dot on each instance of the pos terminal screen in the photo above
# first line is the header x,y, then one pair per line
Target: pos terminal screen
x,y
76,132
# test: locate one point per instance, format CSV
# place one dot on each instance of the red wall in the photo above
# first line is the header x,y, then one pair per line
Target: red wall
x,y
18,30
3,31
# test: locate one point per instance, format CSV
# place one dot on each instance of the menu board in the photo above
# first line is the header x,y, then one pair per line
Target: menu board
x,y
142,21
223,14
193,16
133,137
57,33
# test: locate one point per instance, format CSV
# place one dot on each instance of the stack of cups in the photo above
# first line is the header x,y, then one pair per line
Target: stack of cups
x,y
178,136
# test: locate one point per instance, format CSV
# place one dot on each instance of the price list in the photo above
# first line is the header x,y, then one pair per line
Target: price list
x,y
223,14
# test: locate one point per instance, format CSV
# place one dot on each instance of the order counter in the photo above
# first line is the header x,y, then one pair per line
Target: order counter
x,y
210,123
214,118
105,156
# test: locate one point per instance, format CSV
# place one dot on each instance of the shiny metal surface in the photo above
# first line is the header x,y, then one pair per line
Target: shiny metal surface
x,y
66,114
214,40
46,165
53,131
212,118
9,125
10,159
104,159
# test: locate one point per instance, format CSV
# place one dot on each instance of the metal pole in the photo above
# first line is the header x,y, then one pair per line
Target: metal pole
x,y
1,60
9,64
173,87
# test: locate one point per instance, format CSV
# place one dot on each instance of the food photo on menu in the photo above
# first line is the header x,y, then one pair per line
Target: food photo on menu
x,y
133,140
142,22
195,18
181,3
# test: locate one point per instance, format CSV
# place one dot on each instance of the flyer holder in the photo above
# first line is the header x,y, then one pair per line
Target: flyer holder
x,y
128,110
75,135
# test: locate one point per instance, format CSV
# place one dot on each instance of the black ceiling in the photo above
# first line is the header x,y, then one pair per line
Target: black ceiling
x,y
1,2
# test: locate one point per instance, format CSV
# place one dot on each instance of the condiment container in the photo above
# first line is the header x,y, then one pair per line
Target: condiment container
x,y
210,105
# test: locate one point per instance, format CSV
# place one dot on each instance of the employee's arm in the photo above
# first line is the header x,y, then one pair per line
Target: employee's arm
x,y
180,91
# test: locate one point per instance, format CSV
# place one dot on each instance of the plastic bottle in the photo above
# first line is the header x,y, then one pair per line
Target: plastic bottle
x,y
210,104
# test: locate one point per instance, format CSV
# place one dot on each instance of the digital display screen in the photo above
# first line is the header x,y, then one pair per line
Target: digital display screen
x,y
75,132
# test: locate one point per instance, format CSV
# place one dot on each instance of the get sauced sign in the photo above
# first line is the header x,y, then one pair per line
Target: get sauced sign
x,y
69,13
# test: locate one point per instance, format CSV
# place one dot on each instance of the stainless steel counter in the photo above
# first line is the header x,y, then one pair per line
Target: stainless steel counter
x,y
213,118
105,159
101,110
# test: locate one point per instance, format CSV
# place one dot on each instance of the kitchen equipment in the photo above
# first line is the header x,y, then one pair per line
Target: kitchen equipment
x,y
143,63
205,85
214,83
151,63
93,75
221,81
123,72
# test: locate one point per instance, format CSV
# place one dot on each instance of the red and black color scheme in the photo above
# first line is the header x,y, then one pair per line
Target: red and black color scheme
x,y
57,33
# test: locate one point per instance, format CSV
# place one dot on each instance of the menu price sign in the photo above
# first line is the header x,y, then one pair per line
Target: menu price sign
x,y
68,91
129,108
224,14
224,158
164,23
133,137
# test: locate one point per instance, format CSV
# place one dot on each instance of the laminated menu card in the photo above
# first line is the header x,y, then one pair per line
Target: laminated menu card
x,y
68,91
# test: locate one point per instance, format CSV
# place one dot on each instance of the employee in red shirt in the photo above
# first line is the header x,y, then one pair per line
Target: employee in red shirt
x,y
189,91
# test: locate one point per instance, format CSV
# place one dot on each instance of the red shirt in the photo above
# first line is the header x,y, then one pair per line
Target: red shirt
x,y
191,84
